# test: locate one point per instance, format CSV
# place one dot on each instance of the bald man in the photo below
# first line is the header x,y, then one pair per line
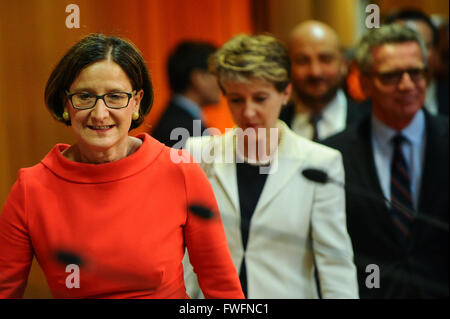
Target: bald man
x,y
321,108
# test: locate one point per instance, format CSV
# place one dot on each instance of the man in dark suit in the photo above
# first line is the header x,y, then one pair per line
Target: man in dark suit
x,y
399,152
193,87
436,98
318,66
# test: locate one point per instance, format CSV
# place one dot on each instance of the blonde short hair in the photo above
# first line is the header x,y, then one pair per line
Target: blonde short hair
x,y
246,57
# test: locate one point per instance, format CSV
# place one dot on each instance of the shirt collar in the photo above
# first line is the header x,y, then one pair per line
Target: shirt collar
x,y
332,111
413,132
89,173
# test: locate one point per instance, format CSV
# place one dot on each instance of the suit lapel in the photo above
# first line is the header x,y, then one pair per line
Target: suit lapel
x,y
432,167
350,111
366,172
442,96
226,174
356,111
226,170
285,166
363,154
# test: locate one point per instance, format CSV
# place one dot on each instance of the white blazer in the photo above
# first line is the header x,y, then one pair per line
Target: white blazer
x,y
295,221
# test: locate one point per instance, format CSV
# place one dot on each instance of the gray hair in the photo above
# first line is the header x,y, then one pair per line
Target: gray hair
x,y
389,33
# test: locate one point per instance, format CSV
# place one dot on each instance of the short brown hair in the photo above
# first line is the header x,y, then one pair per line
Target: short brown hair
x,y
94,48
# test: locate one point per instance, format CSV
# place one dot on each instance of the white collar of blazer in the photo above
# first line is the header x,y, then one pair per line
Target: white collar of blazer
x,y
217,156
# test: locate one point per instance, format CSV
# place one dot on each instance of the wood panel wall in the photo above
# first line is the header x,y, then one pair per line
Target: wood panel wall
x,y
34,36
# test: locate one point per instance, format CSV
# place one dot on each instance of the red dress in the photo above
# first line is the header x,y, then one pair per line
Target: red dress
x,y
124,224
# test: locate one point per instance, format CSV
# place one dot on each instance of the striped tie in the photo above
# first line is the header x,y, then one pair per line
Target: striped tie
x,y
401,190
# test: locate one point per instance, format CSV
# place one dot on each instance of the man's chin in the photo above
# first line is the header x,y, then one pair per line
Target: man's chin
x,y
410,111
317,99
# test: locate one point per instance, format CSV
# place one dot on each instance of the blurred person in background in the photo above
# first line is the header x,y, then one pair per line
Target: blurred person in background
x,y
280,227
442,70
398,153
436,100
113,205
320,108
193,87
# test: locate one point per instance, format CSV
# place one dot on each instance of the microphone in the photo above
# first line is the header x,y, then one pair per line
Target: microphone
x,y
201,211
320,176
66,257
315,175
108,272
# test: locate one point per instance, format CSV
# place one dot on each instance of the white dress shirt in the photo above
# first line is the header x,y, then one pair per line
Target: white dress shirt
x,y
334,119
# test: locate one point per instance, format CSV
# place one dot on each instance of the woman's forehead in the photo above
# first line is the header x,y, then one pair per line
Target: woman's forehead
x,y
102,74
252,85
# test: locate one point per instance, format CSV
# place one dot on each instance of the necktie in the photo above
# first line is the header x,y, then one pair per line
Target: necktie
x,y
314,119
401,190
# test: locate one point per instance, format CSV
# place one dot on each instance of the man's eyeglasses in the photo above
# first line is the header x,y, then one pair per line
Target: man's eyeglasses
x,y
393,78
113,100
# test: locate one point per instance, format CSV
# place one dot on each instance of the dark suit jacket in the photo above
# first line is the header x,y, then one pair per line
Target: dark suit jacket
x,y
173,117
355,112
442,96
421,270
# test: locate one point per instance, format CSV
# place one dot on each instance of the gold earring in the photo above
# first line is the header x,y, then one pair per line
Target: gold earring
x,y
135,116
65,115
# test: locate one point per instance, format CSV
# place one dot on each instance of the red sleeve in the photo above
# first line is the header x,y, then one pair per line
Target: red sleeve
x,y
206,242
16,253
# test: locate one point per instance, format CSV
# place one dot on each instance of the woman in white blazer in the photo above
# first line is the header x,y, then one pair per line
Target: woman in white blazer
x,y
279,225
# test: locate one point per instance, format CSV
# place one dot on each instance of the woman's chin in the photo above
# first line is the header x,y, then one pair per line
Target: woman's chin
x,y
99,143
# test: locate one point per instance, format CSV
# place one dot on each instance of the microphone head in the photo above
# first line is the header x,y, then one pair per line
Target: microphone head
x,y
315,175
66,258
201,211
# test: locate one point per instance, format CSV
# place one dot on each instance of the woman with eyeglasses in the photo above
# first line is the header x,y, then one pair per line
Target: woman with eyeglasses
x,y
280,227
109,216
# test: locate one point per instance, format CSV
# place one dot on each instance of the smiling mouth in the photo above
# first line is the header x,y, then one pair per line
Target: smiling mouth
x,y
100,127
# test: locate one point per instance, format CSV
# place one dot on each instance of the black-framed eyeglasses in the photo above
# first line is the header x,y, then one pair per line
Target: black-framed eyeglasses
x,y
112,100
393,78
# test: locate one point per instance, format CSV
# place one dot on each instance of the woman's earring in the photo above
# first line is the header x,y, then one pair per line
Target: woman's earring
x,y
135,116
65,116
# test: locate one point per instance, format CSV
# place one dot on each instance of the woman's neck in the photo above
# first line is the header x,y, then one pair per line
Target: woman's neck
x,y
82,154
263,148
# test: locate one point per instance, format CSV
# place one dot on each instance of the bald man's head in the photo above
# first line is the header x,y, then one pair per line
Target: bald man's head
x,y
313,30
318,65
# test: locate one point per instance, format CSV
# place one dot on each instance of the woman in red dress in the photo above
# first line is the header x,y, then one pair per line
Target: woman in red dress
x,y
109,217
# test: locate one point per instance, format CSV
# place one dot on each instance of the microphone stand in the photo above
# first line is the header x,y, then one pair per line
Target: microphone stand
x,y
381,199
